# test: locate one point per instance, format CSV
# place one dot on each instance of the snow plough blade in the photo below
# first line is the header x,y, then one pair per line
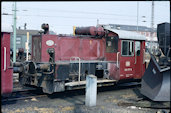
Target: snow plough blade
x,y
155,82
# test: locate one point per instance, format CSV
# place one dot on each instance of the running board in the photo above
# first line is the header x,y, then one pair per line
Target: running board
x,y
81,84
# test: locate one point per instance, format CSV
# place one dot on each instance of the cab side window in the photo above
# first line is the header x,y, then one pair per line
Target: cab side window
x,y
137,48
127,48
111,44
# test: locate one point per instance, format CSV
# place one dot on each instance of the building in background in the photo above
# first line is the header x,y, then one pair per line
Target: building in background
x,y
21,38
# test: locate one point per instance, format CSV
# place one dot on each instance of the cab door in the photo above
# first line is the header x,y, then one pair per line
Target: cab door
x,y
139,59
127,59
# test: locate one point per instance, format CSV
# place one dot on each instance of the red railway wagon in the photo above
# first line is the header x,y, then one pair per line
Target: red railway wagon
x,y
6,65
61,62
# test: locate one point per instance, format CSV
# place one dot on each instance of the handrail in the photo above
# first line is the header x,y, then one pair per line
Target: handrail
x,y
5,59
117,59
143,56
135,58
79,66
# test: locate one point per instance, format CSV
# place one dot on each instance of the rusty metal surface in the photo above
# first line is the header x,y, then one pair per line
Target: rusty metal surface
x,y
66,47
36,48
43,66
94,31
87,48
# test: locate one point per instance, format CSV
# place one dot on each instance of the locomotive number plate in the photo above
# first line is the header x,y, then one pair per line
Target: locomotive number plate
x,y
49,42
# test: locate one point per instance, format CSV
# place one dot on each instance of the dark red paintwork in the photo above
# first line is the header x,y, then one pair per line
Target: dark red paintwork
x,y
66,47
6,70
90,49
93,31
135,70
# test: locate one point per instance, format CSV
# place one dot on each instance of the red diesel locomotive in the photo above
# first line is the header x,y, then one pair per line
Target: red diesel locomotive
x,y
61,62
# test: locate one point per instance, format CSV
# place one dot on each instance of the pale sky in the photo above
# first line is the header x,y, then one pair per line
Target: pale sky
x,y
62,16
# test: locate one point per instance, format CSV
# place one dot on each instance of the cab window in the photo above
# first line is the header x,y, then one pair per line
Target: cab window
x,y
112,44
137,48
127,48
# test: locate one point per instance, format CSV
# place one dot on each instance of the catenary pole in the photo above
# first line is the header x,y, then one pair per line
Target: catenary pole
x,y
14,34
137,14
152,25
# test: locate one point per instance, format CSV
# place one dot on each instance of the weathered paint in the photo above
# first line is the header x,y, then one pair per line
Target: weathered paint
x,y
87,48
128,67
6,70
67,47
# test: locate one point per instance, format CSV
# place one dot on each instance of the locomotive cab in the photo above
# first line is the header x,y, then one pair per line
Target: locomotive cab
x,y
128,52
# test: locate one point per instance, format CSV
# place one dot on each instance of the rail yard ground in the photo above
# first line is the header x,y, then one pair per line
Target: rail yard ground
x,y
110,99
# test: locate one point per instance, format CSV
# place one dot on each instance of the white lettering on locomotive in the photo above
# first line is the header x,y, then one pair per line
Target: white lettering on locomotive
x,y
127,63
127,75
128,69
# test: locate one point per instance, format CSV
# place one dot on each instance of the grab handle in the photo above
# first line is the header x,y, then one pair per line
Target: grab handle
x,y
143,56
135,58
5,59
117,59
79,67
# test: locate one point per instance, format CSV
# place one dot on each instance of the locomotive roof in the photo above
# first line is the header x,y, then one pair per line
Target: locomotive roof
x,y
126,34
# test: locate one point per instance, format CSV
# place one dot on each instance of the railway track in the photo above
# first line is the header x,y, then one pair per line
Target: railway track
x,y
25,93
140,102
21,98
21,94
